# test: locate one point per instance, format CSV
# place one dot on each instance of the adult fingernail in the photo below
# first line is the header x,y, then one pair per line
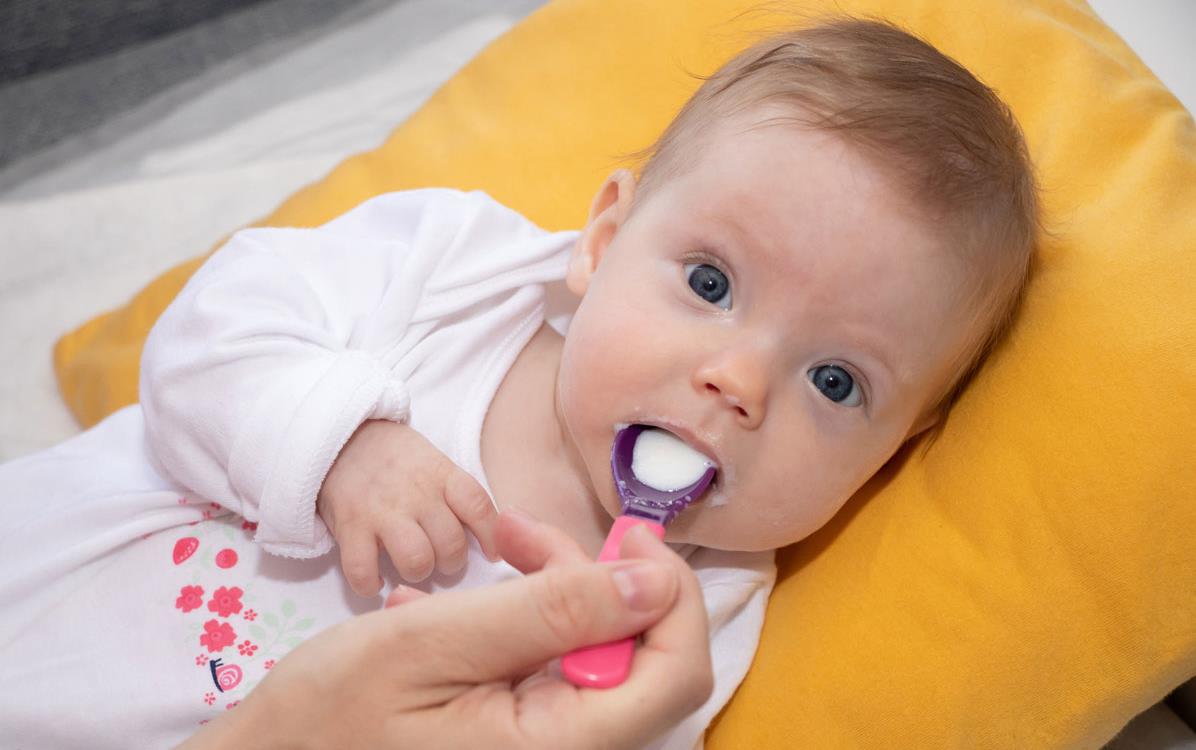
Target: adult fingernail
x,y
645,585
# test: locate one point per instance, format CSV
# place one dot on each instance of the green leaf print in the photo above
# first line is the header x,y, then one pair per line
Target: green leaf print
x,y
270,619
258,632
288,608
305,623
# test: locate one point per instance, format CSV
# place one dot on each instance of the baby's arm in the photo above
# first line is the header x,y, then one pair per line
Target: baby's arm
x,y
281,346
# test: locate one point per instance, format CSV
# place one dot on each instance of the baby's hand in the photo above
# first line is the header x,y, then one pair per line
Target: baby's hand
x,y
391,488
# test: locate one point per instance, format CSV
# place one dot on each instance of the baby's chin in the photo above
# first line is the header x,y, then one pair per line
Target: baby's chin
x,y
713,522
708,524
707,528
715,541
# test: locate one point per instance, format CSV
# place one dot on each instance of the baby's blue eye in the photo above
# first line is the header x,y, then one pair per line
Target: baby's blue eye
x,y
836,384
709,283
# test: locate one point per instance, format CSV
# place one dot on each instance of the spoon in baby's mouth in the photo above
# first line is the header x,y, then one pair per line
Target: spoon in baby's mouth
x,y
657,475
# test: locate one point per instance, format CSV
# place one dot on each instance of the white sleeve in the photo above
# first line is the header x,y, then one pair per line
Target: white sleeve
x,y
280,346
735,586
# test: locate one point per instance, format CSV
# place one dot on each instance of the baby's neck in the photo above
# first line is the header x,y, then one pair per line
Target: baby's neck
x,y
529,460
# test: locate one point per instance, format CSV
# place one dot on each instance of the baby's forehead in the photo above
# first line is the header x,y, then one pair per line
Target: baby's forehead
x,y
751,174
776,190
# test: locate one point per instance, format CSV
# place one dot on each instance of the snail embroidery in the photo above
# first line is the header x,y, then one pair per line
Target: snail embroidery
x,y
226,676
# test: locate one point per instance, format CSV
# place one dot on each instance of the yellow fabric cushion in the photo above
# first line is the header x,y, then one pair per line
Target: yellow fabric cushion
x,y
1026,581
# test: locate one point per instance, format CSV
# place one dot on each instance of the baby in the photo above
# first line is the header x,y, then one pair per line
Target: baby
x,y
820,250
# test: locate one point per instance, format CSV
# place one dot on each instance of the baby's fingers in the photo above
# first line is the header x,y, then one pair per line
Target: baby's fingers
x,y
447,537
409,549
470,503
359,559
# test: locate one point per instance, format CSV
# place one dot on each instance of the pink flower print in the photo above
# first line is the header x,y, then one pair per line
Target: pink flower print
x,y
226,558
226,602
190,597
247,648
209,698
214,506
249,614
234,704
207,514
217,635
250,526
201,660
269,664
182,501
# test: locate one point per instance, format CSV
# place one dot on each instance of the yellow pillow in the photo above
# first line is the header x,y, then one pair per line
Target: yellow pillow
x,y
1027,580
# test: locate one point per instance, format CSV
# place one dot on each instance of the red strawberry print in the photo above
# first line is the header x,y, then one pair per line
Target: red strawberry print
x,y
226,558
185,548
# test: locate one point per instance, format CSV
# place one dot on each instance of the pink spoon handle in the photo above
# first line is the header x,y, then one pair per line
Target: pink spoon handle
x,y
606,664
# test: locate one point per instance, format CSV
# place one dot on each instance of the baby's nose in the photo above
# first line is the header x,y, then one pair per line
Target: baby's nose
x,y
740,381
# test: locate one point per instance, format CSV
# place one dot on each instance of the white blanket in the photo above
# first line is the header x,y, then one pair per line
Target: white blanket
x,y
84,237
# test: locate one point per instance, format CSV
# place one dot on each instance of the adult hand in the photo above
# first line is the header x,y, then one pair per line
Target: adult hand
x,y
449,670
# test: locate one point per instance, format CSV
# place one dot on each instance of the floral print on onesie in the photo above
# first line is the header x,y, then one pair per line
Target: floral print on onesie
x,y
232,628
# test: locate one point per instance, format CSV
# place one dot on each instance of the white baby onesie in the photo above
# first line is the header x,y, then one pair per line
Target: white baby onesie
x,y
136,600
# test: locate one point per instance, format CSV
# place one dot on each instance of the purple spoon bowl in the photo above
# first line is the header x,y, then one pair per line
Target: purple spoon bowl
x,y
644,501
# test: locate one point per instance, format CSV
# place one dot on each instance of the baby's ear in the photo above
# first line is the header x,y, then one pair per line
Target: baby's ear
x,y
609,210
924,423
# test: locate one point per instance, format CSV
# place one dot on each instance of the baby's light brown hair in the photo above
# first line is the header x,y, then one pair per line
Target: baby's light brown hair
x,y
944,137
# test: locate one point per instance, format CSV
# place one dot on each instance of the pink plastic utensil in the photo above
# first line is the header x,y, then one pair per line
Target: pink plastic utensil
x,y
608,664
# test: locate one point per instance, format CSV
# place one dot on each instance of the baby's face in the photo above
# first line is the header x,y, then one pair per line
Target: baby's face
x,y
779,307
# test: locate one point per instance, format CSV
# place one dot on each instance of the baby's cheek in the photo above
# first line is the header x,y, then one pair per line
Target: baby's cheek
x,y
585,383
599,348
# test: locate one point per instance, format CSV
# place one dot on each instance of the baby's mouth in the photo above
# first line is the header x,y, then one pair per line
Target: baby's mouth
x,y
667,460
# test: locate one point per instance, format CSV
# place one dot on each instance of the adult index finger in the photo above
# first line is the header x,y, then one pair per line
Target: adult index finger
x,y
530,545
